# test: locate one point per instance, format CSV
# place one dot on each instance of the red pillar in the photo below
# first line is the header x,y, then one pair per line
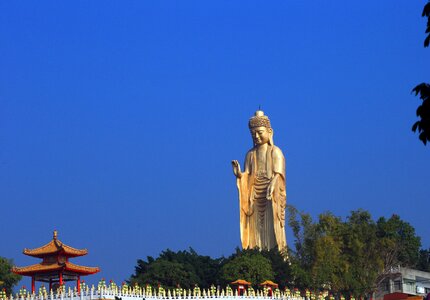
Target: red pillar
x,y
50,285
61,278
78,284
33,286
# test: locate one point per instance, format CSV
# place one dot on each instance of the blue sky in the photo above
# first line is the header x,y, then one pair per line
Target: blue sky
x,y
118,120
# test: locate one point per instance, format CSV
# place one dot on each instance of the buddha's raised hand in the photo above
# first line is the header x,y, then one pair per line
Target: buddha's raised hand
x,y
236,168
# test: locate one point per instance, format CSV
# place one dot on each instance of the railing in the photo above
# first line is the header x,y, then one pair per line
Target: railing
x,y
131,294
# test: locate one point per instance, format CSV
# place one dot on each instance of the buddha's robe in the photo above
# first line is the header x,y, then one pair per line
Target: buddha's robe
x,y
262,221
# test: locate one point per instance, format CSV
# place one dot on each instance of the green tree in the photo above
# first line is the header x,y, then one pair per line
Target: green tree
x,y
329,265
303,254
362,250
280,266
400,244
8,279
185,268
349,255
424,260
423,89
167,273
205,268
249,265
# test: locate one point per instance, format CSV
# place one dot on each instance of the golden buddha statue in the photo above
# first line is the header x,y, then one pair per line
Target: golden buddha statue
x,y
262,196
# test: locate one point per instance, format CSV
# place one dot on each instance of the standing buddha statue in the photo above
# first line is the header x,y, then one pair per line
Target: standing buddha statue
x,y
262,189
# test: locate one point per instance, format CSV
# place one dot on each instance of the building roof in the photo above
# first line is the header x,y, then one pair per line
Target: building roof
x,y
241,281
46,268
269,283
53,247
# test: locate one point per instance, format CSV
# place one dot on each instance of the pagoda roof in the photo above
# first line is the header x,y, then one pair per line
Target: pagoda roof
x,y
53,247
46,268
269,283
241,281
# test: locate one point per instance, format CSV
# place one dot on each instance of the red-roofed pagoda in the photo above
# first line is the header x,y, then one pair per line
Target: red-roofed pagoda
x,y
55,267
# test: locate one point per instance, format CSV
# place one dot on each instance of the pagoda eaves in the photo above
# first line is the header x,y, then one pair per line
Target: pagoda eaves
x,y
269,283
53,247
241,281
45,268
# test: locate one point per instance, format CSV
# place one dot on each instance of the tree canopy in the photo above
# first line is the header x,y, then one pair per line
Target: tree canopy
x,y
7,279
423,89
184,268
249,265
351,255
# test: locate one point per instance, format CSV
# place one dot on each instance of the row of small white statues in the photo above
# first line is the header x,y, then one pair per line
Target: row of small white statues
x,y
135,290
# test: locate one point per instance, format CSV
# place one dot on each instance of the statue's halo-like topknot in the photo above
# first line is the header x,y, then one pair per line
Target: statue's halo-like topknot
x,y
259,120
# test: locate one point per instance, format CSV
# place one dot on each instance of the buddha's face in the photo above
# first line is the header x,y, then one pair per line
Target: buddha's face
x,y
261,135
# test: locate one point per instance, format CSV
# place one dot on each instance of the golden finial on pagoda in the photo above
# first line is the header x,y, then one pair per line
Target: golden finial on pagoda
x,y
55,234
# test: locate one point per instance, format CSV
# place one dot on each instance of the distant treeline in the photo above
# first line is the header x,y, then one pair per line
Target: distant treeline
x,y
347,255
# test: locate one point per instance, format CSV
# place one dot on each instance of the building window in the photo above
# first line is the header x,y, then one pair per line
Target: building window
x,y
386,286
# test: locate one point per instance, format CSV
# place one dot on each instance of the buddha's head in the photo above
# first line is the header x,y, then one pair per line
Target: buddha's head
x,y
260,128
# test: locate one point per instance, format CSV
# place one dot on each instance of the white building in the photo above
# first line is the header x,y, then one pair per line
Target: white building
x,y
408,282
